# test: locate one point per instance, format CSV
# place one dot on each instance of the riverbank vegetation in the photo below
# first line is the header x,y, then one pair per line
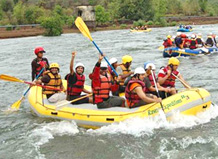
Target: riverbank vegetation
x,y
54,14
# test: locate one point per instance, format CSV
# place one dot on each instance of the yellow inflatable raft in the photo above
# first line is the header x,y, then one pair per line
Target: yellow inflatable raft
x,y
147,30
188,102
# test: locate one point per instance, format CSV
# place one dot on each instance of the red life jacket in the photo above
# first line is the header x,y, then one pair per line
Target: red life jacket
x,y
76,88
39,66
102,92
132,97
170,81
193,44
151,79
167,43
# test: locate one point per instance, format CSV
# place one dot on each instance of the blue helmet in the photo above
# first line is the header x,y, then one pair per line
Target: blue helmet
x,y
148,64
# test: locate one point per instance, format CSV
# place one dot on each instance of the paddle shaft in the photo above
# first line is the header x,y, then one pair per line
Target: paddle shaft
x,y
85,31
53,88
105,58
68,102
36,79
155,85
181,81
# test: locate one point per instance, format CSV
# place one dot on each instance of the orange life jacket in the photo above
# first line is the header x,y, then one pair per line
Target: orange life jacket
x,y
131,96
102,92
125,71
55,81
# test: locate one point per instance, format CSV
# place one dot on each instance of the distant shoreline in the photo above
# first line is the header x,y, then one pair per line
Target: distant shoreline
x,y
36,31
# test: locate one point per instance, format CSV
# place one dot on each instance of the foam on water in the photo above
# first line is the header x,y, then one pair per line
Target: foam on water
x,y
47,131
146,126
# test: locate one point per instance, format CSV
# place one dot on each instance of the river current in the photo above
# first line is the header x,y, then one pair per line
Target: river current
x,y
23,135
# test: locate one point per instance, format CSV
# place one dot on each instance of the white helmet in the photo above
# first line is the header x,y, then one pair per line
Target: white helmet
x,y
139,70
103,64
148,64
79,64
193,36
199,34
112,60
178,33
210,34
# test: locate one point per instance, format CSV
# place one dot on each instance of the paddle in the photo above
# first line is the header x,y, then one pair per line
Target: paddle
x,y
61,104
161,48
16,105
187,85
14,79
181,81
155,84
85,31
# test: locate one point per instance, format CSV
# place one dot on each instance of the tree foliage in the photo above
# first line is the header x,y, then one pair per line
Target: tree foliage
x,y
101,15
53,25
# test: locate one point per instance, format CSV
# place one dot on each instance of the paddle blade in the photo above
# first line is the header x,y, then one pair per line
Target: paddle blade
x,y
16,105
82,27
10,78
161,48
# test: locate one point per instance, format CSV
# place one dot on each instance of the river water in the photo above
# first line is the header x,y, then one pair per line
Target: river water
x,y
23,135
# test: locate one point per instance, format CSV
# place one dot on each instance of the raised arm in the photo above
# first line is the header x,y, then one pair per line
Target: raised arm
x,y
72,62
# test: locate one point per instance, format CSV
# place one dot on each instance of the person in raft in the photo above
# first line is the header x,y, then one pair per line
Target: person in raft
x,y
52,79
135,90
151,80
102,85
167,75
75,82
124,71
39,62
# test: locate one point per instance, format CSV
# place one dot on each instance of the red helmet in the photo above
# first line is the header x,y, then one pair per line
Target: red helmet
x,y
183,36
39,49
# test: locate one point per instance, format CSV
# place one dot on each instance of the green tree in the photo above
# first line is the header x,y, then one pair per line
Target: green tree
x,y
203,5
136,9
113,9
173,7
18,13
7,5
53,25
101,15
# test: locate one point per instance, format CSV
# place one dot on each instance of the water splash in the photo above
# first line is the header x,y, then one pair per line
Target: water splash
x,y
146,126
46,131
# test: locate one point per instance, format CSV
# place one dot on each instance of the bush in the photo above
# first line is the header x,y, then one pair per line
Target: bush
x,y
157,23
163,22
114,25
173,23
70,21
123,26
53,26
150,22
9,28
139,23
101,15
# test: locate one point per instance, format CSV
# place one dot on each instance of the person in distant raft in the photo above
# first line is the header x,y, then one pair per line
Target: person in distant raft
x,y
102,85
39,62
75,82
166,76
53,79
124,71
135,90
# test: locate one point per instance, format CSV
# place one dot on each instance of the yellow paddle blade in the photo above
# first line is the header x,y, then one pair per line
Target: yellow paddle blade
x,y
82,27
161,48
16,105
10,78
